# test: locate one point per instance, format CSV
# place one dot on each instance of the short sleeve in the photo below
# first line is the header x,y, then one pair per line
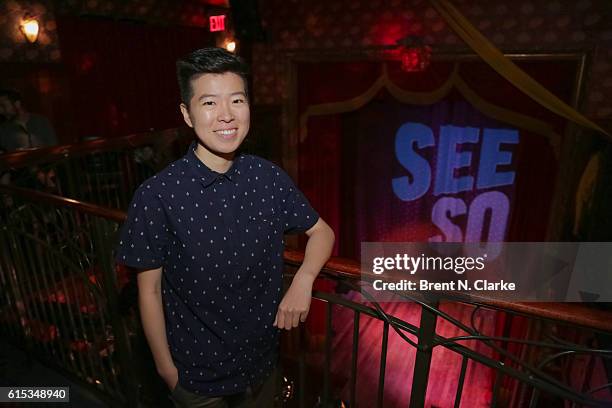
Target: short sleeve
x,y
144,236
298,215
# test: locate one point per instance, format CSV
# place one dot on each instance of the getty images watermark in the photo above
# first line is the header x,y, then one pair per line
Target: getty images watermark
x,y
515,271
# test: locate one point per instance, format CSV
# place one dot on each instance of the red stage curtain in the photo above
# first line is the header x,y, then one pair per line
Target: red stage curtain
x,y
346,164
332,176
123,73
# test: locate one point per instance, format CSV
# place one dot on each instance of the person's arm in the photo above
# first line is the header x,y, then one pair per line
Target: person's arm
x,y
295,305
154,324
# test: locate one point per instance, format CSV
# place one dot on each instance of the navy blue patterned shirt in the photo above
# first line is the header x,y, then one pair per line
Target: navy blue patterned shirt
x,y
219,239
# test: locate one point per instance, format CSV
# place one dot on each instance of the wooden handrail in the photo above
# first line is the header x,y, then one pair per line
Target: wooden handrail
x,y
87,208
338,267
573,313
577,314
25,158
341,268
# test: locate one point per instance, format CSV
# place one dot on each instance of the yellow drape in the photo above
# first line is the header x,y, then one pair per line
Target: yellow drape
x,y
505,67
429,98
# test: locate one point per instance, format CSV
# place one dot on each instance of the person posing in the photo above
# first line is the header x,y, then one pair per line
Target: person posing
x,y
206,234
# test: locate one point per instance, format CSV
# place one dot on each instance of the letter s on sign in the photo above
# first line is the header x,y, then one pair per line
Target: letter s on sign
x,y
407,135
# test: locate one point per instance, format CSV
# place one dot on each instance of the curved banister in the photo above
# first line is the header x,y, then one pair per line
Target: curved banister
x,y
87,208
342,268
336,266
30,157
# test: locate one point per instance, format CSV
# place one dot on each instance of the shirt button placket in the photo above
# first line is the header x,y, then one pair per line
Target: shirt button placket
x,y
228,218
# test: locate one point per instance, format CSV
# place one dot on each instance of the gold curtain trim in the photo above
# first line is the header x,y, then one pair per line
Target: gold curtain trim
x,y
429,98
508,69
510,117
359,101
586,188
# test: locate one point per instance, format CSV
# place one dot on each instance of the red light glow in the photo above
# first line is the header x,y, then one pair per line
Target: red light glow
x,y
415,59
217,23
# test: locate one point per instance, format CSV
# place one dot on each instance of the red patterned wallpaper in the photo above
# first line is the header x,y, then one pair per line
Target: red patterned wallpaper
x,y
13,45
531,26
14,48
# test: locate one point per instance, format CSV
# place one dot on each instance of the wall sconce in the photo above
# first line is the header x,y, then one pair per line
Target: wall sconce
x,y
29,28
230,46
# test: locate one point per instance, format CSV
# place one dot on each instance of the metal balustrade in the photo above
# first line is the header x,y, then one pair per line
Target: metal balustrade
x,y
104,171
60,290
66,302
535,380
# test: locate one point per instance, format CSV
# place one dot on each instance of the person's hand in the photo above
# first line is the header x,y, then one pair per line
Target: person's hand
x,y
295,305
170,377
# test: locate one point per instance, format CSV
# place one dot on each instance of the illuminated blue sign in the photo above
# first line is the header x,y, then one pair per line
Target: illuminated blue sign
x,y
455,154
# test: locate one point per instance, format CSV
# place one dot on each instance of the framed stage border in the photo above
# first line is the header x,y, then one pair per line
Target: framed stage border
x,y
561,210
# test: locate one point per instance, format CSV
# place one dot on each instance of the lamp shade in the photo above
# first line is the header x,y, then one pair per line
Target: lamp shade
x,y
29,27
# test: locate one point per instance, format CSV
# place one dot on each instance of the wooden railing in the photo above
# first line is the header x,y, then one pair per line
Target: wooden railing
x,y
63,303
162,140
59,246
104,171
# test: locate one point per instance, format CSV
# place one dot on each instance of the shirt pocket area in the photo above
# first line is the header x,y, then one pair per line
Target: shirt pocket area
x,y
262,229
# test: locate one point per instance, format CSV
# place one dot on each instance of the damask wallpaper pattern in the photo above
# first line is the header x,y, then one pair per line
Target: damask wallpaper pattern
x,y
14,47
527,26
312,25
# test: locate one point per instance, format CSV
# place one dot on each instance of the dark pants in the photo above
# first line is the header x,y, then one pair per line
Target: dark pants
x,y
262,396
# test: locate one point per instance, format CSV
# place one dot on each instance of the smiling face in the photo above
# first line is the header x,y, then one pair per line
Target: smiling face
x,y
219,114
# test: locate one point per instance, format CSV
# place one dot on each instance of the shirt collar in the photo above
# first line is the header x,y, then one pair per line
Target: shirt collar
x,y
207,175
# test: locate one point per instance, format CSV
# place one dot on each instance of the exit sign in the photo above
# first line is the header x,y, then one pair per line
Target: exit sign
x,y
217,23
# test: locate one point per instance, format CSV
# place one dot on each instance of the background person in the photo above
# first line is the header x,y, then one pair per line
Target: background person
x,y
22,129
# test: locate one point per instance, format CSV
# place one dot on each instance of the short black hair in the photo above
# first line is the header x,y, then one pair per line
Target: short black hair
x,y
11,94
207,61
